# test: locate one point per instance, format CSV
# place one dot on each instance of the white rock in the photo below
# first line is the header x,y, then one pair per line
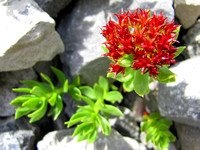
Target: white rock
x,y
187,11
62,140
27,35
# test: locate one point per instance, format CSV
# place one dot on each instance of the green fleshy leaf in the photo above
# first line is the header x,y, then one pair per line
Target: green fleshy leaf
x,y
88,91
128,85
113,96
46,77
177,32
105,125
111,110
126,61
103,82
32,103
79,129
23,90
165,75
59,74
113,87
38,91
87,100
65,86
78,117
53,99
58,107
74,92
93,136
129,73
99,92
141,83
180,49
76,81
39,113
21,111
150,134
154,116
21,99
105,49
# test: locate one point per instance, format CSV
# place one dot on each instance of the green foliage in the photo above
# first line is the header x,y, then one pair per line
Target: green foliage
x,y
133,80
39,95
96,113
157,130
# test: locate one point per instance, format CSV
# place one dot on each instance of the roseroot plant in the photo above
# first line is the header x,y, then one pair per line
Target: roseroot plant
x,y
94,114
97,111
157,130
140,46
39,95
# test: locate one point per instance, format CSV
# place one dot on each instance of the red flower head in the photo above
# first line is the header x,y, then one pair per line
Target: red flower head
x,y
146,39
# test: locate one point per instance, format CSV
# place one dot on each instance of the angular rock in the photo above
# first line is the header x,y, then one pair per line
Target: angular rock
x,y
8,81
53,7
80,32
192,40
19,140
188,136
180,100
187,11
63,139
27,35
126,125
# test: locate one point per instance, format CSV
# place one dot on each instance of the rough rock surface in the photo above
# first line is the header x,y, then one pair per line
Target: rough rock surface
x,y
80,32
192,40
188,136
63,140
18,140
126,125
180,100
27,35
187,11
53,7
9,80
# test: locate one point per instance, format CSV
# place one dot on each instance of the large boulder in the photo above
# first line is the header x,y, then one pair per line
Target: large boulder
x,y
187,11
27,35
62,140
81,34
180,100
13,140
192,40
188,136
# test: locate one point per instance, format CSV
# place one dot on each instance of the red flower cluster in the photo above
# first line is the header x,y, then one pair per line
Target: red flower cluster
x,y
147,38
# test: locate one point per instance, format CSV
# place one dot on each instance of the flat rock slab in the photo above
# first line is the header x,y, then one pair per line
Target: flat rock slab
x,y
180,100
27,35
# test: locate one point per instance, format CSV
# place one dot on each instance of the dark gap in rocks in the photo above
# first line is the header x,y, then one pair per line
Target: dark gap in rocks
x,y
67,10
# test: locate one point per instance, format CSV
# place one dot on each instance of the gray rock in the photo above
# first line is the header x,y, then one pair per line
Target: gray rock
x,y
188,136
192,40
187,11
19,140
60,140
27,35
53,7
80,32
180,100
126,125
9,80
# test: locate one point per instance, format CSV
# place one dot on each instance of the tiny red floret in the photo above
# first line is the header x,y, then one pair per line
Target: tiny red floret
x,y
147,38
